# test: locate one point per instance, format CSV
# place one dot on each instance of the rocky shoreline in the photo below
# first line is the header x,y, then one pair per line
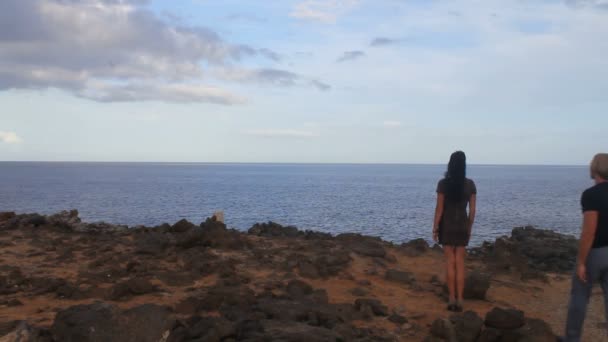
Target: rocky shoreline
x,y
65,280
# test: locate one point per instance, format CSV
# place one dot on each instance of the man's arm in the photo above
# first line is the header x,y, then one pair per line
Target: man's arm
x,y
590,219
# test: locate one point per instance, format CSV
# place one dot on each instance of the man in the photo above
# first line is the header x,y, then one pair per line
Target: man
x,y
592,262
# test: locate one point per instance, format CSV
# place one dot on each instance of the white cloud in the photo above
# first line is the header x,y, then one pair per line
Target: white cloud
x,y
180,93
326,11
282,133
392,124
9,138
77,45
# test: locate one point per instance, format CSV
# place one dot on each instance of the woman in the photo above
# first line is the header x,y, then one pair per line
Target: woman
x,y
452,226
592,261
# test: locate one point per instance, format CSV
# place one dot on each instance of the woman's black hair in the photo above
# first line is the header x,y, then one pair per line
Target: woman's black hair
x,y
455,176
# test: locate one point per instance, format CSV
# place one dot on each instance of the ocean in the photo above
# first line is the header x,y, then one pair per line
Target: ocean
x,y
395,202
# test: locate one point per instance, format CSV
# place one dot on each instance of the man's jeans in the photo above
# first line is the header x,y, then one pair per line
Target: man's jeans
x,y
597,270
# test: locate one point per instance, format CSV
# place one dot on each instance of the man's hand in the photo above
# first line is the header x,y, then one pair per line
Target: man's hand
x,y
435,235
581,272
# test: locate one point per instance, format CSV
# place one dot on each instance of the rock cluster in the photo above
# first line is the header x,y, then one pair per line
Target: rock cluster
x,y
499,325
206,282
531,252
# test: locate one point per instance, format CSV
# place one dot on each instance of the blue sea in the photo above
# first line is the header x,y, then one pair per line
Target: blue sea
x,y
395,202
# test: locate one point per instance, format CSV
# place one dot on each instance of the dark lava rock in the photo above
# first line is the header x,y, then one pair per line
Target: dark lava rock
x,y
443,329
298,332
364,245
467,326
152,243
182,226
505,319
102,322
476,285
297,289
400,277
531,248
397,319
203,329
377,307
228,298
415,247
359,292
490,335
21,331
35,220
131,287
7,215
272,229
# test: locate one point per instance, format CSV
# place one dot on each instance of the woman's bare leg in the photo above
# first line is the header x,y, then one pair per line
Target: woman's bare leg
x,y
460,272
450,259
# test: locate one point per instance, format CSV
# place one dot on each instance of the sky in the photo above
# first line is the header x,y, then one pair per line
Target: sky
x,y
304,81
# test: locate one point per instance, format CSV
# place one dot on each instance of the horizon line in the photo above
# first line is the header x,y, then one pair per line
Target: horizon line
x,y
273,163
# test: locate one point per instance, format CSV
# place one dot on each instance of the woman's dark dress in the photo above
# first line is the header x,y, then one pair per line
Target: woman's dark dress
x,y
453,227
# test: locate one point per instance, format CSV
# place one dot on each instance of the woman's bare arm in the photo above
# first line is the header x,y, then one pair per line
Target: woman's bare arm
x,y
472,211
438,215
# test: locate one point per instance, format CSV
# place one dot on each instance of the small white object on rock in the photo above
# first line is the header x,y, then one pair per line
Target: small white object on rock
x,y
219,216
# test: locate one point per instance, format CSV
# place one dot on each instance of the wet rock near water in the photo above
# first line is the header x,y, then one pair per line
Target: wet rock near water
x,y
529,251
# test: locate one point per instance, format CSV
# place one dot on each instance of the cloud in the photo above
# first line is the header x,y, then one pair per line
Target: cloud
x,y
383,41
270,76
270,54
350,55
9,137
76,45
392,124
325,11
602,4
179,93
282,133
320,85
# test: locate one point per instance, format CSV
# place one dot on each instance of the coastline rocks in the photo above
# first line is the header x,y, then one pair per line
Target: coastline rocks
x,y
363,245
182,226
530,250
275,230
272,229
415,248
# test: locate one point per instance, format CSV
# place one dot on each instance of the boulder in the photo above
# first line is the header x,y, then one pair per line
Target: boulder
x,y
476,286
505,319
182,226
443,329
467,326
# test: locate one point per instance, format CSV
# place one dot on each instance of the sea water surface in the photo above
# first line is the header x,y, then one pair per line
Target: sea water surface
x,y
395,202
